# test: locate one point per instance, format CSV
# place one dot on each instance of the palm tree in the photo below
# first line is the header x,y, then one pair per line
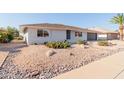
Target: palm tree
x,y
119,19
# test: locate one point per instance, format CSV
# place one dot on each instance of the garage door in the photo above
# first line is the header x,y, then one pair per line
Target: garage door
x,y
91,36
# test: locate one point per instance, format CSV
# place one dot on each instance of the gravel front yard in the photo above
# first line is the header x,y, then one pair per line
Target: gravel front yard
x,y
32,62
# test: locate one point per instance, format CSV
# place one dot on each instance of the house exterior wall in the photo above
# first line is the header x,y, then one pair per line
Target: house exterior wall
x,y
101,36
25,37
54,35
74,39
57,35
112,36
31,37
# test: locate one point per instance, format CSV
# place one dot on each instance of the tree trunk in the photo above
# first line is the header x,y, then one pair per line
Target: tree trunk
x,y
121,32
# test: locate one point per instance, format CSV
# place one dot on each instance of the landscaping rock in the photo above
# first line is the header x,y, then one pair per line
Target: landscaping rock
x,y
50,53
31,62
71,54
35,73
86,46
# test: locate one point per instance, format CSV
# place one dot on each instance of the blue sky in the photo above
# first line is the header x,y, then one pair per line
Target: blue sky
x,y
83,20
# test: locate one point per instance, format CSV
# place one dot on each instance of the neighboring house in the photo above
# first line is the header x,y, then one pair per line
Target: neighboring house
x,y
105,34
40,33
1,30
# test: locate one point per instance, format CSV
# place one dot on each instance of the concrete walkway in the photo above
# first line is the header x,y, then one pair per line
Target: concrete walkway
x,y
110,67
3,56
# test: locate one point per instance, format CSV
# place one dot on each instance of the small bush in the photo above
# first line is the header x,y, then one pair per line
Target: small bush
x,y
18,38
58,44
8,34
35,44
10,37
3,37
103,43
81,42
45,43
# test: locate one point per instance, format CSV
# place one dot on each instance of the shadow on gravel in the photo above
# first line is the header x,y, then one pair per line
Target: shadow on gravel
x,y
12,47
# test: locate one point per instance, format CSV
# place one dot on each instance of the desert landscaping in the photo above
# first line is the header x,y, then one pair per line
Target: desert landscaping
x,y
41,62
46,50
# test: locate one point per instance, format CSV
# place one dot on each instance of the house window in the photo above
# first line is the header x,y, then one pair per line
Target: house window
x,y
42,33
68,34
46,34
78,34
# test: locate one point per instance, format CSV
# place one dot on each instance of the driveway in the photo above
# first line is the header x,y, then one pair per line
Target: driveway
x,y
111,67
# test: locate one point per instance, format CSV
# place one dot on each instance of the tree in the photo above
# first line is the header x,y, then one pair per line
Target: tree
x,y
8,34
13,31
119,19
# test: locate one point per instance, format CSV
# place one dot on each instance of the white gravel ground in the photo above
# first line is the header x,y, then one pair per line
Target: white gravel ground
x,y
34,56
32,62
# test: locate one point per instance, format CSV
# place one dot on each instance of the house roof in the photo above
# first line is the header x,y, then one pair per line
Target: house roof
x,y
48,25
65,27
56,27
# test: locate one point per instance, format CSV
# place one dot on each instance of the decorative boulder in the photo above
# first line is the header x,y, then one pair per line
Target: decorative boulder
x,y
35,73
50,53
84,46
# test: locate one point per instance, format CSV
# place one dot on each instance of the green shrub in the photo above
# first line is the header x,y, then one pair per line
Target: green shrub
x,y
79,41
35,44
45,43
58,44
103,43
8,34
10,37
3,37
18,38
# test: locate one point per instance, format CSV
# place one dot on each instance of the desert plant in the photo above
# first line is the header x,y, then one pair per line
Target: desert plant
x,y
103,43
45,43
18,38
35,44
58,44
79,41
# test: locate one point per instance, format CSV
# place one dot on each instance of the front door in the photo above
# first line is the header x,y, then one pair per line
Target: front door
x,y
68,34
